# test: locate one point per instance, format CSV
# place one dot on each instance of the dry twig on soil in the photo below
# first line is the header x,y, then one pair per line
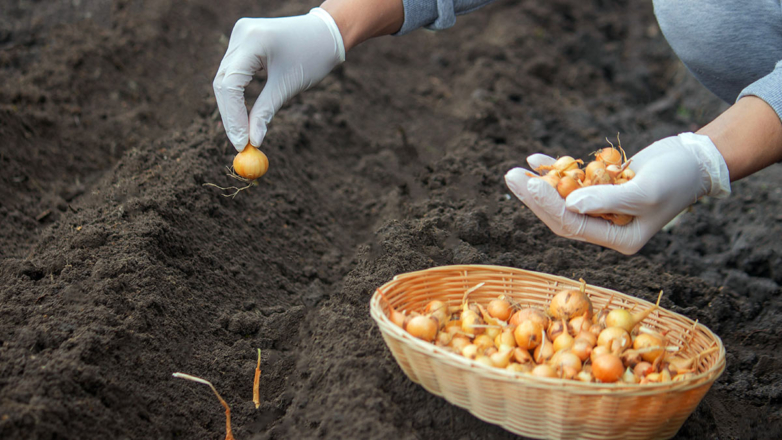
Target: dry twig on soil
x,y
228,434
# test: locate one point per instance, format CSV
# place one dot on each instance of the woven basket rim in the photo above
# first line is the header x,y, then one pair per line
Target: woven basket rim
x,y
576,387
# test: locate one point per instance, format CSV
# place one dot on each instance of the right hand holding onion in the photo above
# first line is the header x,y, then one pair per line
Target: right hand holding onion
x,y
670,175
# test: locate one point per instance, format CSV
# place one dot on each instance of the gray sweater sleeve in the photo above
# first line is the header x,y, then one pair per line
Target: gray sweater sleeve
x,y
733,47
436,14
768,88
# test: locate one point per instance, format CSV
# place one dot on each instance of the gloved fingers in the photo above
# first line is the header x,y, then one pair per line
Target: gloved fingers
x,y
235,72
545,202
229,90
275,93
537,160
627,198
519,183
517,179
626,239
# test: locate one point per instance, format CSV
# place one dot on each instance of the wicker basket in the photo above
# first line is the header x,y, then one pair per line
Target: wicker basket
x,y
539,407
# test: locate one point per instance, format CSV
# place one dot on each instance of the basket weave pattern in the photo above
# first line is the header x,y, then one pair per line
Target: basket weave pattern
x,y
540,407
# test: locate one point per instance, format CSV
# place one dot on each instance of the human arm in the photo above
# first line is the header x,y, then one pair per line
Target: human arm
x,y
748,135
298,52
361,20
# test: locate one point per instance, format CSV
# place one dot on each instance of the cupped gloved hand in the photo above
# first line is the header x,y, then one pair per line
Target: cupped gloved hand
x,y
297,53
670,175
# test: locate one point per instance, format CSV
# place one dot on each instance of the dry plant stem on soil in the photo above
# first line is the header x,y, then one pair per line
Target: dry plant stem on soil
x,y
232,174
228,434
257,383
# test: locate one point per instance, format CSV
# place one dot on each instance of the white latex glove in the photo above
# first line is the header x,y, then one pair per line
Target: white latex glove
x,y
297,53
670,175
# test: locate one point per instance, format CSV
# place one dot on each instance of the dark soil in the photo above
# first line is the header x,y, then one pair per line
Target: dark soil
x,y
119,268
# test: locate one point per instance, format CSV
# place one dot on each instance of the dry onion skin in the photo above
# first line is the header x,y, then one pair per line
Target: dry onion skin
x,y
567,340
610,167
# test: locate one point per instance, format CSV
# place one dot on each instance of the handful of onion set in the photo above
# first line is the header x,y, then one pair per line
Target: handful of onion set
x,y
568,340
610,167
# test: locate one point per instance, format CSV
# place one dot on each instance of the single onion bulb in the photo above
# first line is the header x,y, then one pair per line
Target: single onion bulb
x,y
645,340
607,368
563,342
469,320
641,369
439,310
423,327
612,336
543,352
626,320
528,334
592,168
567,185
580,324
609,155
529,314
581,348
544,371
397,317
499,308
566,163
571,303
556,328
251,163
552,178
566,359
575,173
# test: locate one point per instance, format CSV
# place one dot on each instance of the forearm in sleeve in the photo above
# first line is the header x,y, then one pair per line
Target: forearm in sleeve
x,y
436,14
768,88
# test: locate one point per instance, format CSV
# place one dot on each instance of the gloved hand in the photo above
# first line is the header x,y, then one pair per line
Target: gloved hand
x,y
670,175
297,53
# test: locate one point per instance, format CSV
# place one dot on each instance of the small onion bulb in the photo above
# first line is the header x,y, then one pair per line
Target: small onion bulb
x,y
645,341
612,335
251,163
563,342
567,185
423,327
500,309
607,368
544,371
609,155
531,315
568,304
528,334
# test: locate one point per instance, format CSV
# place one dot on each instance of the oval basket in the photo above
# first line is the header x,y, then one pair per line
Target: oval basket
x,y
540,407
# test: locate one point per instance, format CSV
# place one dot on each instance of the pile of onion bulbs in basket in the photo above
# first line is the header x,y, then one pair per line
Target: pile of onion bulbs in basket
x,y
567,341
610,167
